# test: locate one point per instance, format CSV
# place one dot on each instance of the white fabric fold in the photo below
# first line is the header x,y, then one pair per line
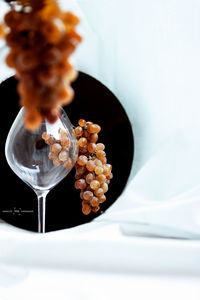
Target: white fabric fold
x,y
165,193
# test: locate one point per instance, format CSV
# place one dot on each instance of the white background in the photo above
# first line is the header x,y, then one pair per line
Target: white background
x,y
147,53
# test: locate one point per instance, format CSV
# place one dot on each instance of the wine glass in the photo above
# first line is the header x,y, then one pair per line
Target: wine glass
x,y
29,157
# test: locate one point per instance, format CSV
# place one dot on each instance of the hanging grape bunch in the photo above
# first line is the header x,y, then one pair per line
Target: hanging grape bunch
x,y
93,173
41,38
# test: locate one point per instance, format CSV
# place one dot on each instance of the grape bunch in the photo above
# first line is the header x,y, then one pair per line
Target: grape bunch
x,y
93,173
59,148
41,37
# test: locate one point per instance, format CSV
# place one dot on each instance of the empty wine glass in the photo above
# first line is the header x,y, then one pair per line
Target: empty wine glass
x,y
28,156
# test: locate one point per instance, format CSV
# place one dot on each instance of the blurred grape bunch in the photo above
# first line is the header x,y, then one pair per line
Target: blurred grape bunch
x,y
2,31
41,38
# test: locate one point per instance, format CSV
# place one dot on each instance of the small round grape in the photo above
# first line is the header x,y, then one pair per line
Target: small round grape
x,y
94,202
95,209
93,138
63,155
104,186
99,192
102,198
100,154
45,135
82,142
98,163
52,155
110,176
109,166
95,184
65,141
80,170
83,150
80,184
100,146
99,170
86,209
101,178
82,122
82,160
68,164
87,195
89,178
106,170
104,160
63,132
56,148
50,141
91,147
47,77
93,128
90,165
78,131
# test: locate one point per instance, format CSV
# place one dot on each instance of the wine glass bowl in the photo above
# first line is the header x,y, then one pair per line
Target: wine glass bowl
x,y
27,154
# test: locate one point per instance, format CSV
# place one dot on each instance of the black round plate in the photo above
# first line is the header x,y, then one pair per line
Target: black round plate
x,y
93,102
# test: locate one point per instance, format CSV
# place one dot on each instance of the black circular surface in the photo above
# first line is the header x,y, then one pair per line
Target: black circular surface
x,y
93,102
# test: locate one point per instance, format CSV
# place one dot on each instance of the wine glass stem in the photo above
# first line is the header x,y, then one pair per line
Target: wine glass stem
x,y
41,211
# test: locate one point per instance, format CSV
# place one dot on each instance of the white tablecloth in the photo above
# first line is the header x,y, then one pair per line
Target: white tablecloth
x,y
147,53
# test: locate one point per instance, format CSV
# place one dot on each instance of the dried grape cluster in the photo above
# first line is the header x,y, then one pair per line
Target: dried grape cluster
x,y
41,38
59,148
93,173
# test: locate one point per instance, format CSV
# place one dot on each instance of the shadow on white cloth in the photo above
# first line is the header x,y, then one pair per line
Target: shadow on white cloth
x,y
164,197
